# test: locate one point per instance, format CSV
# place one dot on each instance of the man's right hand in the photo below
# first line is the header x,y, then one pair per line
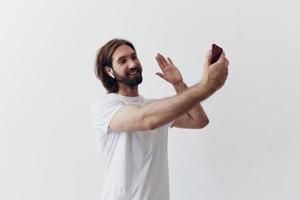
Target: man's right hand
x,y
214,75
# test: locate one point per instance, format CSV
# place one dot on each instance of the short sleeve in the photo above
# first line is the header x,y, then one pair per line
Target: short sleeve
x,y
101,112
169,125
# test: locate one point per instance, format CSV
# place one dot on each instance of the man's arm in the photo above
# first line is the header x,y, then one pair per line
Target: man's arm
x,y
194,118
159,112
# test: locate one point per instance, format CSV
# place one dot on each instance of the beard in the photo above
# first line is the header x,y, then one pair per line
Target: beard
x,y
130,80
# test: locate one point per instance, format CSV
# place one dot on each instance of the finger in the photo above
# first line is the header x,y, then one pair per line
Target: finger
x,y
160,63
170,61
222,58
226,62
161,75
164,61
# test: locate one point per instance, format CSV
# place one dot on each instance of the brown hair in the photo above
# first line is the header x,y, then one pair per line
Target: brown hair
x,y
104,58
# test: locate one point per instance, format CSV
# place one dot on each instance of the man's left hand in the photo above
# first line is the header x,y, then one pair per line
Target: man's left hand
x,y
170,71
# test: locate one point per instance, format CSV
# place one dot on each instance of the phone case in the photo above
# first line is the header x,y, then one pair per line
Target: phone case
x,y
216,53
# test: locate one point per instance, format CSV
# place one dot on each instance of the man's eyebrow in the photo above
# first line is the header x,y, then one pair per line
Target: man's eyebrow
x,y
133,54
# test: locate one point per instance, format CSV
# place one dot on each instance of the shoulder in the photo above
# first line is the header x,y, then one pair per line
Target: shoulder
x,y
105,98
104,101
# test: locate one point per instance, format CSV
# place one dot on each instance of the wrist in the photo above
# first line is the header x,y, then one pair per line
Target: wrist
x,y
205,89
180,86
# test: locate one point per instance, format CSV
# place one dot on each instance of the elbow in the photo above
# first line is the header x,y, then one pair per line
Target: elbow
x,y
204,123
149,124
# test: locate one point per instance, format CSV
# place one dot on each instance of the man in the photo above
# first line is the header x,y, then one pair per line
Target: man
x,y
132,131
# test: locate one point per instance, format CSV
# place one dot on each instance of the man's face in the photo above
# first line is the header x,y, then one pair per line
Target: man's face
x,y
127,68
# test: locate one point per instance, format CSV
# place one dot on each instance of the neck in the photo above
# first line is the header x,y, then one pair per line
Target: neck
x,y
127,91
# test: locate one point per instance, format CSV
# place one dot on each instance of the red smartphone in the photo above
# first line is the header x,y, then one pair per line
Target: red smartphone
x,y
216,53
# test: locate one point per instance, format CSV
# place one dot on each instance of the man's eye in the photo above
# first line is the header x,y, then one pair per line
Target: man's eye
x,y
123,61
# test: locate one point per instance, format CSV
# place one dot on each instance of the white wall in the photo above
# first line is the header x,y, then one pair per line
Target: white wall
x,y
251,148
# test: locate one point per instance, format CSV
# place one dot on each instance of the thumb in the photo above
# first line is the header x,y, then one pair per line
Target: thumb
x,y
207,61
208,58
161,75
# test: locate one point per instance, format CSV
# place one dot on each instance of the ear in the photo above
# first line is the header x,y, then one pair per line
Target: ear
x,y
109,71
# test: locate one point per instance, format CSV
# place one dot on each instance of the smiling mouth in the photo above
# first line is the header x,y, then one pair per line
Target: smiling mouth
x,y
134,73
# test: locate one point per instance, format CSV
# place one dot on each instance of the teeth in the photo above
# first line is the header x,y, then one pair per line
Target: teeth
x,y
133,72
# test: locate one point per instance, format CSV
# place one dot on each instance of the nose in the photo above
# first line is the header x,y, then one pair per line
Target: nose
x,y
132,64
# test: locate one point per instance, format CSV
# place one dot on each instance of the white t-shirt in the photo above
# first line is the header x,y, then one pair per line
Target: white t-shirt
x,y
135,163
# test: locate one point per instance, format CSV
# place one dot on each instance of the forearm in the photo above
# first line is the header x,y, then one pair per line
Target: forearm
x,y
167,109
197,112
